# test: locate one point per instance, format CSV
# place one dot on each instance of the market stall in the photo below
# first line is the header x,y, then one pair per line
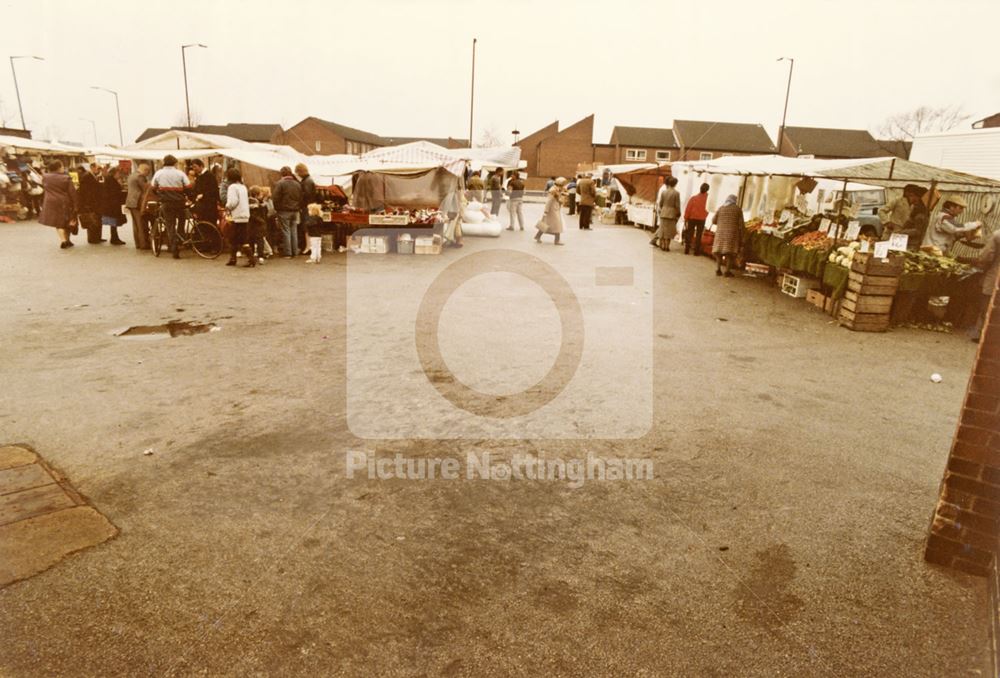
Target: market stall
x,y
804,226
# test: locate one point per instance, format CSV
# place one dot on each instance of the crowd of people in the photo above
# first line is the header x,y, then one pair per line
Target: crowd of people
x,y
251,217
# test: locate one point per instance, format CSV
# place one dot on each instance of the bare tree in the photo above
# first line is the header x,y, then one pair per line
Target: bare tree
x,y
180,119
922,120
490,138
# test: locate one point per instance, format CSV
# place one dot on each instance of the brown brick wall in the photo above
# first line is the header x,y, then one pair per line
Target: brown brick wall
x,y
964,530
303,137
559,155
529,146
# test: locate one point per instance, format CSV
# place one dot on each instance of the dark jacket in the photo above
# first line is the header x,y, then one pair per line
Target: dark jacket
x,y
111,200
515,187
59,202
287,195
89,199
206,207
308,191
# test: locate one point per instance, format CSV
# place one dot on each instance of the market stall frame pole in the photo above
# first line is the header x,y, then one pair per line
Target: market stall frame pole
x,y
187,101
118,110
788,92
472,92
17,90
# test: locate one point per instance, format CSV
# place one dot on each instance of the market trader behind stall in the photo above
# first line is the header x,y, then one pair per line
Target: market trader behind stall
x,y
169,184
945,231
906,215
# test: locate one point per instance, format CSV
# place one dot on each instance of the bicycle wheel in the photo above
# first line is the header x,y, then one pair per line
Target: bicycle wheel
x,y
206,239
157,230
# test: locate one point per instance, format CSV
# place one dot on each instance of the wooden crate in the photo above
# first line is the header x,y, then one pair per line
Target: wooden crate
x,y
865,303
863,322
872,284
866,263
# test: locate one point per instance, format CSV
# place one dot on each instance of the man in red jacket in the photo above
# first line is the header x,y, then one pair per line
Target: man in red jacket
x,y
695,214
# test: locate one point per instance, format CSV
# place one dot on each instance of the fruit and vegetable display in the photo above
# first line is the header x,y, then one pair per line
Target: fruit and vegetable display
x,y
844,255
813,240
925,262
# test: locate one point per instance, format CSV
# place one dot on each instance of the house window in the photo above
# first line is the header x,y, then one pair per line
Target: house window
x,y
635,153
663,155
705,156
727,155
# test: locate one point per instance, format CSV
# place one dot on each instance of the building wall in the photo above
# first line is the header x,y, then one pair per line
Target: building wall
x,y
695,154
304,136
963,532
559,155
529,150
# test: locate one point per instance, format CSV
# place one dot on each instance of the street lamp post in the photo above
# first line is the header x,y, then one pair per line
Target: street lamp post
x,y
187,101
17,91
472,93
788,91
118,110
93,126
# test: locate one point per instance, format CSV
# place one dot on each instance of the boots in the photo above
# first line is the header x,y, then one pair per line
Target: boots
x,y
232,260
115,240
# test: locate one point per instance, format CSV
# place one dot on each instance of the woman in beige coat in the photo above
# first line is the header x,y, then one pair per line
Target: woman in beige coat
x,y
551,221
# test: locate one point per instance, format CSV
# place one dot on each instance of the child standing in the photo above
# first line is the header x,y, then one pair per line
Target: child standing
x,y
314,227
257,225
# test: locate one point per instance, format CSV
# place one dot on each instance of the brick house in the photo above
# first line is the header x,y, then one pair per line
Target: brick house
x,y
314,136
987,122
831,143
268,133
551,152
643,144
707,140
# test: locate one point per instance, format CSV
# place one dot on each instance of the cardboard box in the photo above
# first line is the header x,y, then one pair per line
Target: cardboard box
x,y
427,244
817,298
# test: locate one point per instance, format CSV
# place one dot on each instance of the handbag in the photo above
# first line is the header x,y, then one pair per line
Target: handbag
x,y
36,190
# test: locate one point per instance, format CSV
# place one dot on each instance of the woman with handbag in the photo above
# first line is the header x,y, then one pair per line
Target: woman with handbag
x,y
59,203
551,221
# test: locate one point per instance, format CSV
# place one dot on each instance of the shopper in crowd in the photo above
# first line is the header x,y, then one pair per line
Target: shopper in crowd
x,y
668,211
695,214
308,198
111,202
257,226
729,227
571,189
314,226
238,206
206,193
452,206
586,191
476,188
551,221
989,261
272,234
31,194
945,231
287,196
496,192
135,203
515,200
549,184
89,201
59,206
220,178
169,185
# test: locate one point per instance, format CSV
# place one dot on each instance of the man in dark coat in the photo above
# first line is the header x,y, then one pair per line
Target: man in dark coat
x,y
89,202
206,194
308,197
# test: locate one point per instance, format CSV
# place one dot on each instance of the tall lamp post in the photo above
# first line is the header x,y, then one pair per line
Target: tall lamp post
x,y
118,110
788,91
17,91
187,101
93,125
472,93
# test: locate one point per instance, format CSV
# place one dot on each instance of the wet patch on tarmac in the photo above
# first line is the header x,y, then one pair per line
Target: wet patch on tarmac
x,y
172,328
768,602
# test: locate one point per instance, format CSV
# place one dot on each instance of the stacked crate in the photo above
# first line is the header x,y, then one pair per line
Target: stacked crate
x,y
871,287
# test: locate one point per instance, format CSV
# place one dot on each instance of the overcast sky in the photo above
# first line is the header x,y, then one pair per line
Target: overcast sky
x,y
402,68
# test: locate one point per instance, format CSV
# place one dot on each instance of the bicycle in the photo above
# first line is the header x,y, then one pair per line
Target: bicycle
x,y
203,237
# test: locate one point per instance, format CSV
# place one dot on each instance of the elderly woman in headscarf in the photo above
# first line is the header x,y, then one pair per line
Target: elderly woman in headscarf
x,y
729,227
551,221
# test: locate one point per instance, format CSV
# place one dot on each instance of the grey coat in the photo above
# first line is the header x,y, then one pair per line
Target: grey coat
x,y
137,185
